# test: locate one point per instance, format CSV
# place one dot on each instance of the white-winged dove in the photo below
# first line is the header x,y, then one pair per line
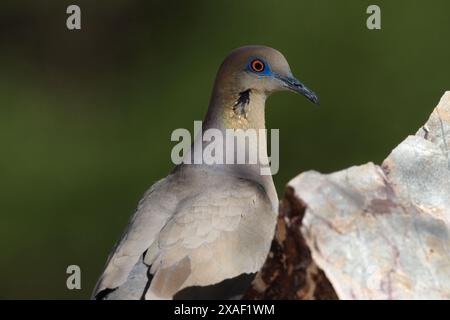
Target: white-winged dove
x,y
205,225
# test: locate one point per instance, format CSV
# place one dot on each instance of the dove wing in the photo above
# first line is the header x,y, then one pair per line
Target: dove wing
x,y
220,233
196,228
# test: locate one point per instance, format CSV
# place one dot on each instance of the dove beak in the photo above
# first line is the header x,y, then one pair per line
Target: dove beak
x,y
295,85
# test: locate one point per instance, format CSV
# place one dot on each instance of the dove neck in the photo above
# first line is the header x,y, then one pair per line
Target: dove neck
x,y
237,133
236,109
233,143
237,112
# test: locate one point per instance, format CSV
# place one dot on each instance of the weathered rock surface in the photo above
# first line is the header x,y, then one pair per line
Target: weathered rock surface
x,y
368,232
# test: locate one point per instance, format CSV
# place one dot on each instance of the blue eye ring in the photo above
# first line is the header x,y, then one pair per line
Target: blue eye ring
x,y
259,66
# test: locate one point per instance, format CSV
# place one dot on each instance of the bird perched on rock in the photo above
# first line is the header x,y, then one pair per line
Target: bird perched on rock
x,y
205,229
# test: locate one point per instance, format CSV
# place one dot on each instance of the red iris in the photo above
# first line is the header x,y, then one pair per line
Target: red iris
x,y
257,65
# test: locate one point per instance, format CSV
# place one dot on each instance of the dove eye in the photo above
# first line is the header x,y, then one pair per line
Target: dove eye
x,y
257,65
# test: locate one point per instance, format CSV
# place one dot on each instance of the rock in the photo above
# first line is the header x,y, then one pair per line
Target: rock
x,y
290,272
368,232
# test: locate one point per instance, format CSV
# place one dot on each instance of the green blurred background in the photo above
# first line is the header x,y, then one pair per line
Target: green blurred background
x,y
86,116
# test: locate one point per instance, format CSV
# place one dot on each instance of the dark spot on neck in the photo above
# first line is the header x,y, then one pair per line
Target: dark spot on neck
x,y
242,102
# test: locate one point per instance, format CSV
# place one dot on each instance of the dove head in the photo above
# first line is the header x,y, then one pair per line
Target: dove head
x,y
247,76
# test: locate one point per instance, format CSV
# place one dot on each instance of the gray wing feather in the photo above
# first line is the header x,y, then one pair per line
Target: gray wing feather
x,y
198,228
153,211
219,234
